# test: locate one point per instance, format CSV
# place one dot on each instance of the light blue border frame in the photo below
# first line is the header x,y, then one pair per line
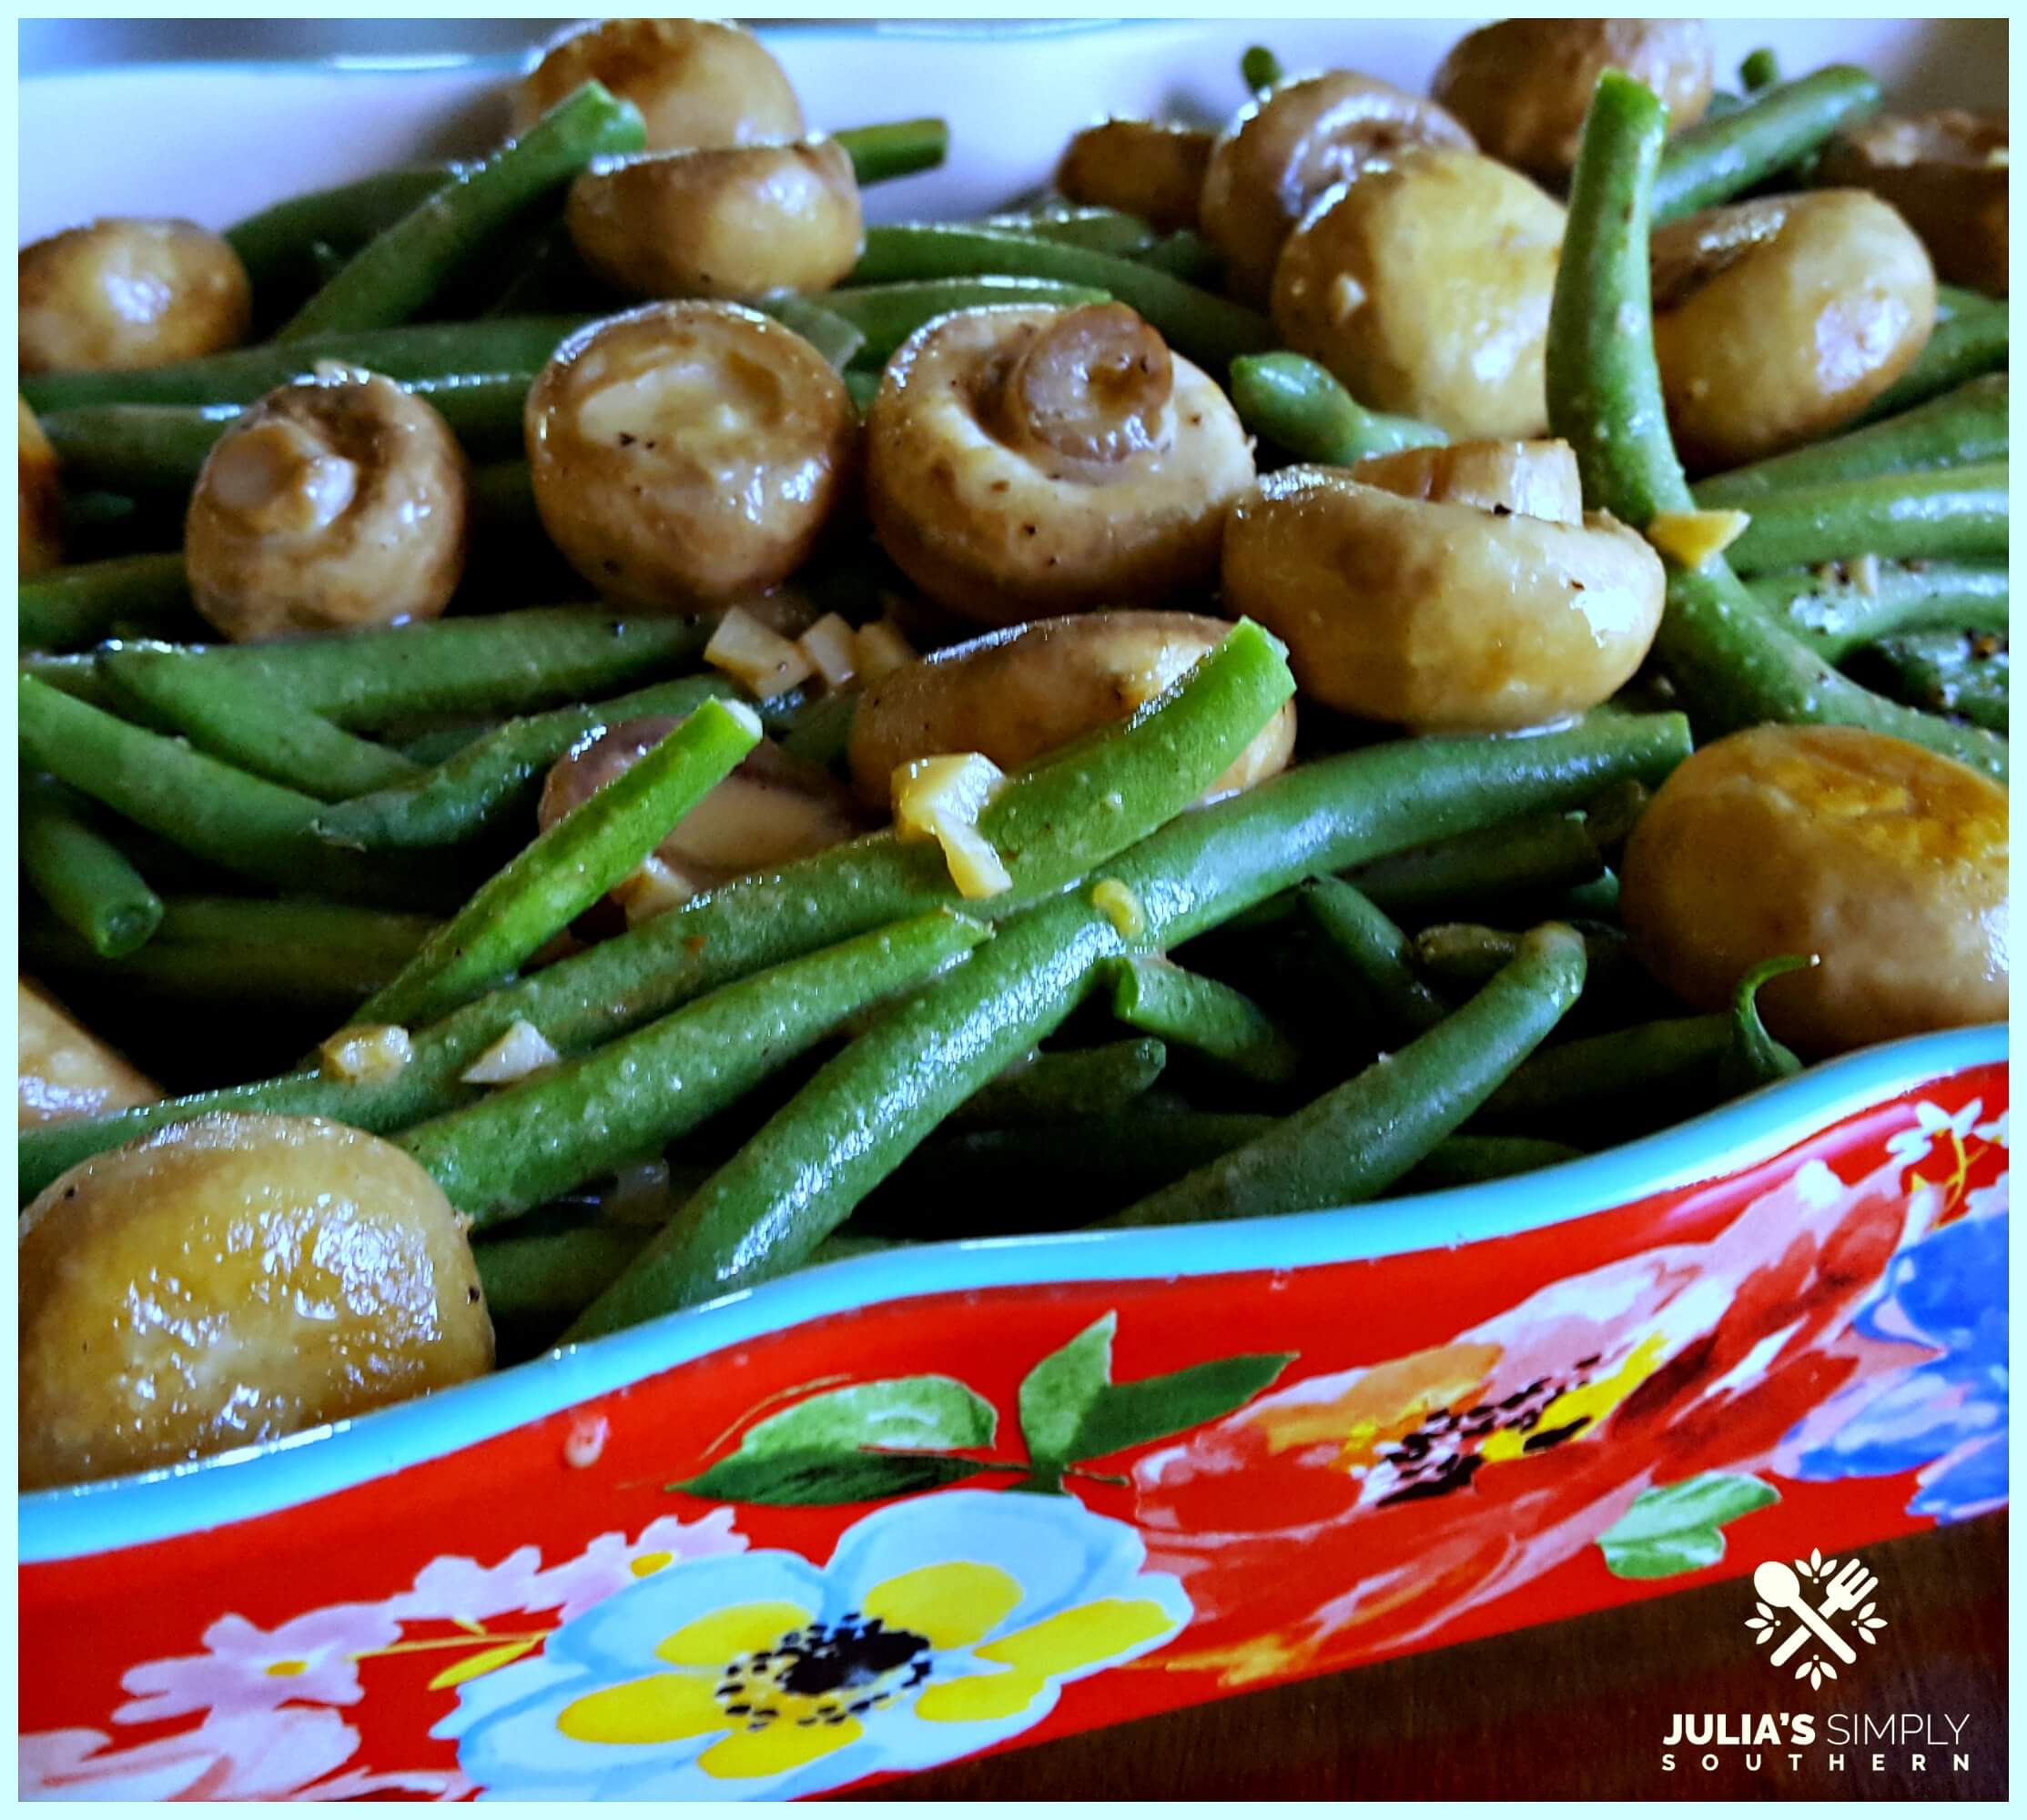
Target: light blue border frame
x,y
256,1482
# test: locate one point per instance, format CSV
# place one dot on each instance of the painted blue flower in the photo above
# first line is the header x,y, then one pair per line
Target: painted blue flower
x,y
940,1626
1945,1414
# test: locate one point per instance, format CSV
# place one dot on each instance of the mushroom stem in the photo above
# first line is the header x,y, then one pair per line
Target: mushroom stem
x,y
1091,386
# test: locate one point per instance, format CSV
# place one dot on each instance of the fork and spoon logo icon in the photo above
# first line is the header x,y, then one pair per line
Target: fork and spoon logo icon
x,y
1846,1587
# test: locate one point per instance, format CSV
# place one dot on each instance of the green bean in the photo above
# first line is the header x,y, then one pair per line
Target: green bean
x,y
1207,329
830,331
503,662
1049,1086
401,269
1259,68
78,604
867,1108
76,674
527,1144
275,245
548,1277
1961,429
1732,665
1214,1020
1761,69
886,315
1840,609
1122,1153
1670,1061
134,448
864,389
1940,513
495,778
1096,230
87,881
268,738
161,447
898,148
1459,1162
1969,343
1539,854
1292,402
1469,953
823,730
1374,953
1360,1138
567,869
1719,159
427,350
1753,1058
1951,673
1186,255
239,822
325,957
1051,825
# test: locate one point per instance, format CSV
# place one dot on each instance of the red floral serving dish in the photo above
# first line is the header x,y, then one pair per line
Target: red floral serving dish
x,y
913,1507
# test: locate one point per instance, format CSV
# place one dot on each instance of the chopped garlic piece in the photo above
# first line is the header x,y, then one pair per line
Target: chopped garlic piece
x,y
976,867
880,647
951,784
941,799
652,888
513,1058
833,647
767,662
1864,571
366,1052
1690,539
1121,908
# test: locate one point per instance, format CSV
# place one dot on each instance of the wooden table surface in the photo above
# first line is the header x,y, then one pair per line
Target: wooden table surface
x,y
1575,1711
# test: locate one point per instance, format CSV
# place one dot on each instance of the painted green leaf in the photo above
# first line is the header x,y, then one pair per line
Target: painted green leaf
x,y
912,1412
825,1476
1125,1415
1056,1396
1680,1528
821,1450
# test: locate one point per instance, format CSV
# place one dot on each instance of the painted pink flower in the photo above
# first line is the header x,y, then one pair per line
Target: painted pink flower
x,y
614,1560
283,1755
248,1670
454,1587
1412,1490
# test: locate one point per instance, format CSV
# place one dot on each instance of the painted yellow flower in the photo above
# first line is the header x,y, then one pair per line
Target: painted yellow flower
x,y
940,1626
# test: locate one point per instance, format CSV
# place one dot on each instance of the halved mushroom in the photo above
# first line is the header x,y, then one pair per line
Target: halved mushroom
x,y
123,293
232,1280
1016,694
1286,148
1147,168
773,808
688,453
1025,461
64,1071
1946,172
1424,285
1776,320
334,503
1456,589
733,222
697,82
1523,85
41,501
1887,861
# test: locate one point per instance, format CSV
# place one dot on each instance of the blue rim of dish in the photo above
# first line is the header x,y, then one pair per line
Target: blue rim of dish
x,y
259,1481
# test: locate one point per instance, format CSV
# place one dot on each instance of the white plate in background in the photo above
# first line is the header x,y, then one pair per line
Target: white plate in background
x,y
213,142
